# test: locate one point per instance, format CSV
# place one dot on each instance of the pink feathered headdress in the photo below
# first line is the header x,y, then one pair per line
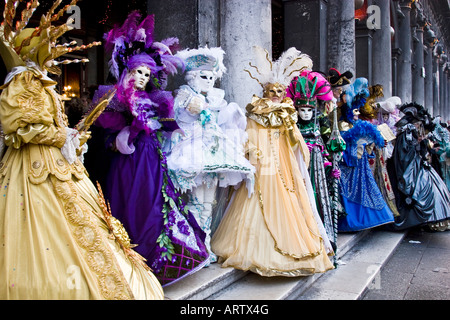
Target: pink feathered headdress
x,y
309,87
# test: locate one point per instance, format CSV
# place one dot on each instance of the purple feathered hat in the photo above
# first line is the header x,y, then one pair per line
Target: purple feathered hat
x,y
132,44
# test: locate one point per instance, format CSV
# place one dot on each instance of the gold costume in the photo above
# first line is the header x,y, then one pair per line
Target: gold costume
x,y
272,233
58,240
55,242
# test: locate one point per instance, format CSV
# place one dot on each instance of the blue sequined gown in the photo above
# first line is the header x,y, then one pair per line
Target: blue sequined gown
x,y
361,196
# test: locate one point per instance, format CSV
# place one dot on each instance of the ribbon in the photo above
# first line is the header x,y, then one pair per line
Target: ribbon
x,y
205,116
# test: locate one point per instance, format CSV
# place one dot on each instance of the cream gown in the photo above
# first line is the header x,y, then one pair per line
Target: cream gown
x,y
274,232
56,241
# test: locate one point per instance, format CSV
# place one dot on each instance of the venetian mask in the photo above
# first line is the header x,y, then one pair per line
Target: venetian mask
x,y
356,114
140,76
337,92
275,92
202,81
305,113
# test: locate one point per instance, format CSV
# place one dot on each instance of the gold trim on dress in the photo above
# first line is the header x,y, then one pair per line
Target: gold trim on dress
x,y
98,256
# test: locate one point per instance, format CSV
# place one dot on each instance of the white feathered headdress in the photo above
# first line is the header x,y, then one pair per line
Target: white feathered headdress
x,y
205,58
390,104
290,64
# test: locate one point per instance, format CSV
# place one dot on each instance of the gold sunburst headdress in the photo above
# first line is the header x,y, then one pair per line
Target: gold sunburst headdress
x,y
289,65
19,44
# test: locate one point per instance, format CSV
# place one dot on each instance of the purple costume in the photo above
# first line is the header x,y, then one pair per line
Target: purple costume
x,y
137,185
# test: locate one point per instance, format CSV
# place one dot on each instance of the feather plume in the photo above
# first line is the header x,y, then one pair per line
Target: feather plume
x,y
363,130
148,24
289,65
282,71
309,86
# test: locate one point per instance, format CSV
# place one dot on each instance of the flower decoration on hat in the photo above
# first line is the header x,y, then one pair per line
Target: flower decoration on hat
x,y
20,45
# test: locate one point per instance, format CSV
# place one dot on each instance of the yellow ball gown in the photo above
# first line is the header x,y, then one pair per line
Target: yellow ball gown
x,y
273,232
56,242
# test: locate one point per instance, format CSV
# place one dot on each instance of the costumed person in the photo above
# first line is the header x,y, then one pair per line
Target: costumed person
x,y
383,117
336,144
59,240
388,115
441,139
138,185
364,204
275,231
422,197
370,112
209,153
305,91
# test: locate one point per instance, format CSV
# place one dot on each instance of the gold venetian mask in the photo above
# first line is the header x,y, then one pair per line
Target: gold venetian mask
x,y
275,92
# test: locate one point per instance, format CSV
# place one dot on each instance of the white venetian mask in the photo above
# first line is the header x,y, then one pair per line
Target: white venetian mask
x,y
202,81
140,76
305,113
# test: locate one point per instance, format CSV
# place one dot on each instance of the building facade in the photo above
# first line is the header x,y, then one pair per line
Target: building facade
x,y
400,44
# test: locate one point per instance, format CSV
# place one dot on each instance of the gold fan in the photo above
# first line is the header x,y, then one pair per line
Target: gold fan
x,y
87,121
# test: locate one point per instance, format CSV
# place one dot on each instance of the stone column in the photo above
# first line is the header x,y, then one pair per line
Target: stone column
x,y
364,52
381,53
244,24
445,105
418,71
428,97
396,54
436,90
341,35
442,83
430,42
306,28
404,63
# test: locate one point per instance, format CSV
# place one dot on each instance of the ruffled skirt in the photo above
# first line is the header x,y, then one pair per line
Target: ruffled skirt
x,y
56,243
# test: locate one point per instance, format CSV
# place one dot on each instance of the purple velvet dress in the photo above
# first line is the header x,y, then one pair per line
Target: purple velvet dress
x,y
143,197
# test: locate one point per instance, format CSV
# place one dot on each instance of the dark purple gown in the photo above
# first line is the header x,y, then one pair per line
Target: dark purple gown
x,y
144,199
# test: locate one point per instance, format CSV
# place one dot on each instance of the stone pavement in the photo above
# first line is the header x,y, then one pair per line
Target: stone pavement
x,y
419,269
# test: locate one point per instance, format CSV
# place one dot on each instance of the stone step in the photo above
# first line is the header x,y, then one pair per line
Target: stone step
x,y
209,282
359,266
254,287
360,269
203,283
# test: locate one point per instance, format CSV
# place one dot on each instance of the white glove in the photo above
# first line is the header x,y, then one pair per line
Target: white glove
x,y
69,149
195,105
